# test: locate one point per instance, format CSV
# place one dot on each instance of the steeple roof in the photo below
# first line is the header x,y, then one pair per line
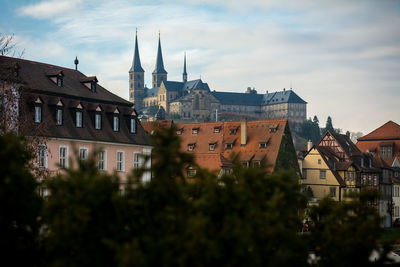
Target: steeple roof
x,y
184,65
159,62
136,66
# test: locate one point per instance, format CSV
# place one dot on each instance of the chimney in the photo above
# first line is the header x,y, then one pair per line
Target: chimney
x,y
243,132
309,145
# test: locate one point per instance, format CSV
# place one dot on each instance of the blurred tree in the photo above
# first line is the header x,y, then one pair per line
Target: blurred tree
x,y
346,233
83,217
329,125
20,205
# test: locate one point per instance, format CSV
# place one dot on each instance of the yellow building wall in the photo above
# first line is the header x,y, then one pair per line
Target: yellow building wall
x,y
313,163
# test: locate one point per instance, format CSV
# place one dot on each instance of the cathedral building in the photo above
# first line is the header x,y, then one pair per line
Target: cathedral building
x,y
192,100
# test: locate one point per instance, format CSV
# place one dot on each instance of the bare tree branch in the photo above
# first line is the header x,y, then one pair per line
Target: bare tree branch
x,y
8,46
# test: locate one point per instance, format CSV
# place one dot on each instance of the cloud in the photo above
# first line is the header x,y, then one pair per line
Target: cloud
x,y
49,9
341,57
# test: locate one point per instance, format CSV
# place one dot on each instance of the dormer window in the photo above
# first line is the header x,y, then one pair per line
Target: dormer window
x,y
217,129
191,147
115,123
233,131
59,81
78,118
179,131
93,87
273,128
195,130
59,116
97,121
262,145
38,110
56,76
211,146
38,113
90,83
132,125
228,146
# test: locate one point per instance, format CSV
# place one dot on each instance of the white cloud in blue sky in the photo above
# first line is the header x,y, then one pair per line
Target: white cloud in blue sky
x,y
342,57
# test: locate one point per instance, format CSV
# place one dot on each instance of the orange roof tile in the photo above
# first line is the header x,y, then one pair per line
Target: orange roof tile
x,y
257,131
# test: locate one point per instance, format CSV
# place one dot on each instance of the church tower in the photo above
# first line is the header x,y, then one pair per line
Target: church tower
x,y
136,79
159,73
184,74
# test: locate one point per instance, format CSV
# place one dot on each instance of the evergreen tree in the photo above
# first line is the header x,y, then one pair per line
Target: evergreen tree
x,y
329,125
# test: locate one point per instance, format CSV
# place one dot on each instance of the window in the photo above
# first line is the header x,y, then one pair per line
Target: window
x,y
59,81
256,164
59,116
396,211
97,121
195,130
133,125
78,118
216,130
229,146
63,157
191,172
211,147
233,131
304,176
136,160
115,123
319,161
179,132
102,160
83,153
190,147
332,192
120,161
42,156
38,114
352,176
396,191
263,145
93,87
322,174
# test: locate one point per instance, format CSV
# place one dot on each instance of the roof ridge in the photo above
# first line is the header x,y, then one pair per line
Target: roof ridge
x,y
41,63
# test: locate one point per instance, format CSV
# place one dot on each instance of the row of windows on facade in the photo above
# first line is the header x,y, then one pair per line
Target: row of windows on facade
x,y
79,119
84,154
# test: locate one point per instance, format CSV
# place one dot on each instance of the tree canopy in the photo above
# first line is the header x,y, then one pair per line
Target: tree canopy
x,y
247,217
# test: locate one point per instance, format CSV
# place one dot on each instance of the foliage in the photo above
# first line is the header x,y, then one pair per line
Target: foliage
x,y
83,216
310,130
246,217
346,233
19,204
329,125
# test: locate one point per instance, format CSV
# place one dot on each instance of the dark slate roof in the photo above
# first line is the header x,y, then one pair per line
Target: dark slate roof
x,y
347,145
286,96
152,92
36,84
33,75
173,86
159,62
229,98
136,66
196,85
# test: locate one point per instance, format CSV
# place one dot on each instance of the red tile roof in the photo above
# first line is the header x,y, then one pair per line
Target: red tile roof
x,y
386,135
257,131
388,131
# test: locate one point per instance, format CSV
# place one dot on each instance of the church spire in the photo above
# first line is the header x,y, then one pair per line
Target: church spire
x,y
184,74
136,66
159,62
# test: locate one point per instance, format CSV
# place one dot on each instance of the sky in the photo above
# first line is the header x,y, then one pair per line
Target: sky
x,y
342,57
